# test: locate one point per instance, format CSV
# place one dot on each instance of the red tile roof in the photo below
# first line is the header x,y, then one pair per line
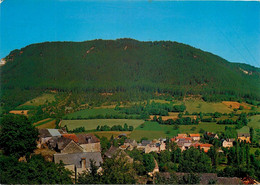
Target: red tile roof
x,y
71,136
202,145
194,135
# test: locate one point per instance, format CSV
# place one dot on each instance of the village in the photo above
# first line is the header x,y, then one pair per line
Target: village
x,y
76,151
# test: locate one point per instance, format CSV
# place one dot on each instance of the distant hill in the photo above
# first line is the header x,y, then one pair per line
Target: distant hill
x,y
126,64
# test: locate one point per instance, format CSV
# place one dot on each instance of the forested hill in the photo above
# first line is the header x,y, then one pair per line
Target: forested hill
x,y
124,64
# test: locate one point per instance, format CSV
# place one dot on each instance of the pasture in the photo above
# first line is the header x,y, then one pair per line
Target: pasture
x,y
46,123
206,107
40,100
86,113
153,130
93,123
209,127
138,134
254,122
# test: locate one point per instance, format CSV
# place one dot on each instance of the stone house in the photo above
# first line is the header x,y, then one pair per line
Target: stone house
x,y
79,162
116,152
206,147
244,137
89,142
228,143
46,134
195,137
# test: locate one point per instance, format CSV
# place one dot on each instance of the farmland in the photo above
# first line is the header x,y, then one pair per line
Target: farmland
x,y
46,123
93,123
210,127
206,107
254,122
86,113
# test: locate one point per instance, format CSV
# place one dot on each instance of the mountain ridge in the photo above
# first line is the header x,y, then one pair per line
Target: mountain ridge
x,y
126,64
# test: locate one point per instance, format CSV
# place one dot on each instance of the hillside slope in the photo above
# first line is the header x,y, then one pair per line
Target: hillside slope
x,y
124,64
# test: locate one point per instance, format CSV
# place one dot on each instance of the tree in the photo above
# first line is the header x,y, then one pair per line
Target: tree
x,y
35,171
252,133
91,176
149,163
18,136
189,178
118,171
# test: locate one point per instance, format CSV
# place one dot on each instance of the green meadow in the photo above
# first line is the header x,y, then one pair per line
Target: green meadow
x,y
93,123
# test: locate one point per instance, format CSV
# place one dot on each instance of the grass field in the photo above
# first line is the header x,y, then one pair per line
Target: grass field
x,y
46,123
153,130
40,100
210,127
206,107
108,134
138,134
93,123
92,112
254,122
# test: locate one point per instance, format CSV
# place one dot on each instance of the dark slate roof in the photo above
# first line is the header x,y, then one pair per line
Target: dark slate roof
x,y
146,142
87,138
58,142
43,133
111,151
76,158
243,135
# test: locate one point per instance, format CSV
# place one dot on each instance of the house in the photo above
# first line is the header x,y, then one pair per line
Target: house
x,y
249,180
182,135
195,137
78,162
228,143
130,144
72,137
205,147
244,137
46,134
89,142
116,152
212,135
184,145
64,145
153,147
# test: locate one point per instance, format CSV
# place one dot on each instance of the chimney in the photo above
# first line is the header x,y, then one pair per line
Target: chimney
x,y
83,162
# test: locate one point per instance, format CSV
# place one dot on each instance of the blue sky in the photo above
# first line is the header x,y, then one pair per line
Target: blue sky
x,y
228,29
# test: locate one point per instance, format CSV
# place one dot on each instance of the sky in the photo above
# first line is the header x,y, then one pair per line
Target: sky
x,y
230,29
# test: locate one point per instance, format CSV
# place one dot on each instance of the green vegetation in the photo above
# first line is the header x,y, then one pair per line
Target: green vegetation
x,y
132,74
93,123
88,113
210,127
18,136
43,122
206,107
40,100
254,122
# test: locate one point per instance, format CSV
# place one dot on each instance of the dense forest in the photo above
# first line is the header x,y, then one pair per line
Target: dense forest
x,y
123,66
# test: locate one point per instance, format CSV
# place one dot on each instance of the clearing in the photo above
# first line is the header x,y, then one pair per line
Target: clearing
x,y
92,124
21,112
206,107
40,100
